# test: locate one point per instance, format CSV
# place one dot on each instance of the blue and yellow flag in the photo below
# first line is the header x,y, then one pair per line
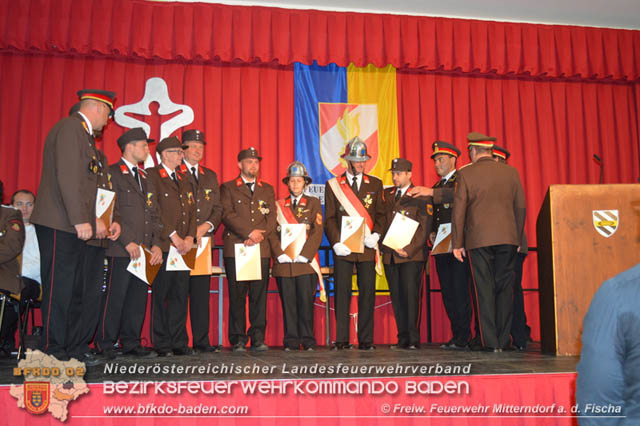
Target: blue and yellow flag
x,y
334,104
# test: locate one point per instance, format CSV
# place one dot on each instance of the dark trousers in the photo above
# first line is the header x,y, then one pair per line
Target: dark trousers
x,y
169,297
493,272
125,305
342,272
199,286
13,311
405,280
238,291
83,331
61,258
297,295
520,331
454,280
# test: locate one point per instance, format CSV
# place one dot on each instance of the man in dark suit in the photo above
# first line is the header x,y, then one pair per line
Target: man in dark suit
x,y
362,195
126,295
297,280
520,331
454,276
65,219
249,217
206,192
403,266
487,224
176,207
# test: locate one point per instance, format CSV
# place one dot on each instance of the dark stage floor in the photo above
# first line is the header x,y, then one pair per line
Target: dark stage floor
x,y
430,360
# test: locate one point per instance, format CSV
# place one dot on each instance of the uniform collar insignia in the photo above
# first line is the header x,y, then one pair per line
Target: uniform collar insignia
x,y
124,169
239,182
163,173
183,168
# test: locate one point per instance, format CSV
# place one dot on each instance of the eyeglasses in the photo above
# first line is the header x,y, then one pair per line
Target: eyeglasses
x,y
175,151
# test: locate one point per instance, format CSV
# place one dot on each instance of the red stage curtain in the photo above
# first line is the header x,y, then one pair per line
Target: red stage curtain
x,y
212,32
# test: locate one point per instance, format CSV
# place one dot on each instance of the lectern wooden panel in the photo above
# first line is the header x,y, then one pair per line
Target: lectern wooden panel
x,y
586,235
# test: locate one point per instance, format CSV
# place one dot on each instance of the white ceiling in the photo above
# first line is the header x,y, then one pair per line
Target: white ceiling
x,y
595,13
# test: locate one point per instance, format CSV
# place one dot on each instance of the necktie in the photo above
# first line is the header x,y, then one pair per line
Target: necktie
x,y
195,175
294,204
137,177
173,177
250,186
398,194
354,184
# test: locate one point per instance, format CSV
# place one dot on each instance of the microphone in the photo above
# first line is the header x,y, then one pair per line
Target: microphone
x,y
601,164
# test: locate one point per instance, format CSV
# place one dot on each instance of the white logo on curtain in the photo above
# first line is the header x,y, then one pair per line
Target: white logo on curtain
x,y
155,90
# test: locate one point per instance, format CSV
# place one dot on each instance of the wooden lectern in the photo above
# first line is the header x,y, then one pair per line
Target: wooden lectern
x,y
586,235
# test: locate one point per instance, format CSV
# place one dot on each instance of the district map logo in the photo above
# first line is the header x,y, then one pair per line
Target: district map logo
x,y
341,122
49,385
606,222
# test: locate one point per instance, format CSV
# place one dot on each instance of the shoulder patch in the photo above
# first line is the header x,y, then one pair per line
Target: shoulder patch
x,y
16,225
318,219
430,209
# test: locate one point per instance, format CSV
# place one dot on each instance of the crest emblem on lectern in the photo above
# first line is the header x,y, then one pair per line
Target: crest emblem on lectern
x,y
606,222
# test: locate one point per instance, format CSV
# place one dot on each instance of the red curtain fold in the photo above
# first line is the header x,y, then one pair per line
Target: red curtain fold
x,y
215,32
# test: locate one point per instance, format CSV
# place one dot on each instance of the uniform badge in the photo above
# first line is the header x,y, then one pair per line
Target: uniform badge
x,y
93,166
446,205
319,219
16,225
299,213
367,200
430,209
124,169
206,194
190,198
606,222
263,207
149,197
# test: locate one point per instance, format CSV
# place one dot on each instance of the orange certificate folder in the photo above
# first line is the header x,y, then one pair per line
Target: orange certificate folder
x,y
352,233
105,202
202,264
442,243
141,267
292,238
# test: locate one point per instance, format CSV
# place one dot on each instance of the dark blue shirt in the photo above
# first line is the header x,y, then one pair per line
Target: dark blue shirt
x,y
609,370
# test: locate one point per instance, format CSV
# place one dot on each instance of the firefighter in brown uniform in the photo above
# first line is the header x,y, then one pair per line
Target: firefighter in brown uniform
x,y
12,237
206,192
403,267
249,217
64,216
454,276
520,331
368,198
126,295
170,291
487,224
296,278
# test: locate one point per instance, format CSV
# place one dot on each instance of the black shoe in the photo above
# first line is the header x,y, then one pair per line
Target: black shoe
x,y
183,351
90,360
291,348
163,353
413,347
475,345
109,354
203,349
239,347
259,348
309,348
399,346
141,352
366,347
490,349
339,346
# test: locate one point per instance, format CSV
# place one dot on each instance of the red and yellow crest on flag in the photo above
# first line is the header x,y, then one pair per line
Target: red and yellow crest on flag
x,y
36,397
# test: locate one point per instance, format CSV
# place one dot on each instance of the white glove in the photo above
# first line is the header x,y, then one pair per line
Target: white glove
x,y
341,250
301,259
371,240
283,258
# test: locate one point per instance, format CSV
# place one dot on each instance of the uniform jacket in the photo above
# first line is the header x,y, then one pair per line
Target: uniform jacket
x,y
69,179
207,195
309,212
370,195
175,203
138,210
243,212
489,206
11,243
416,209
443,201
